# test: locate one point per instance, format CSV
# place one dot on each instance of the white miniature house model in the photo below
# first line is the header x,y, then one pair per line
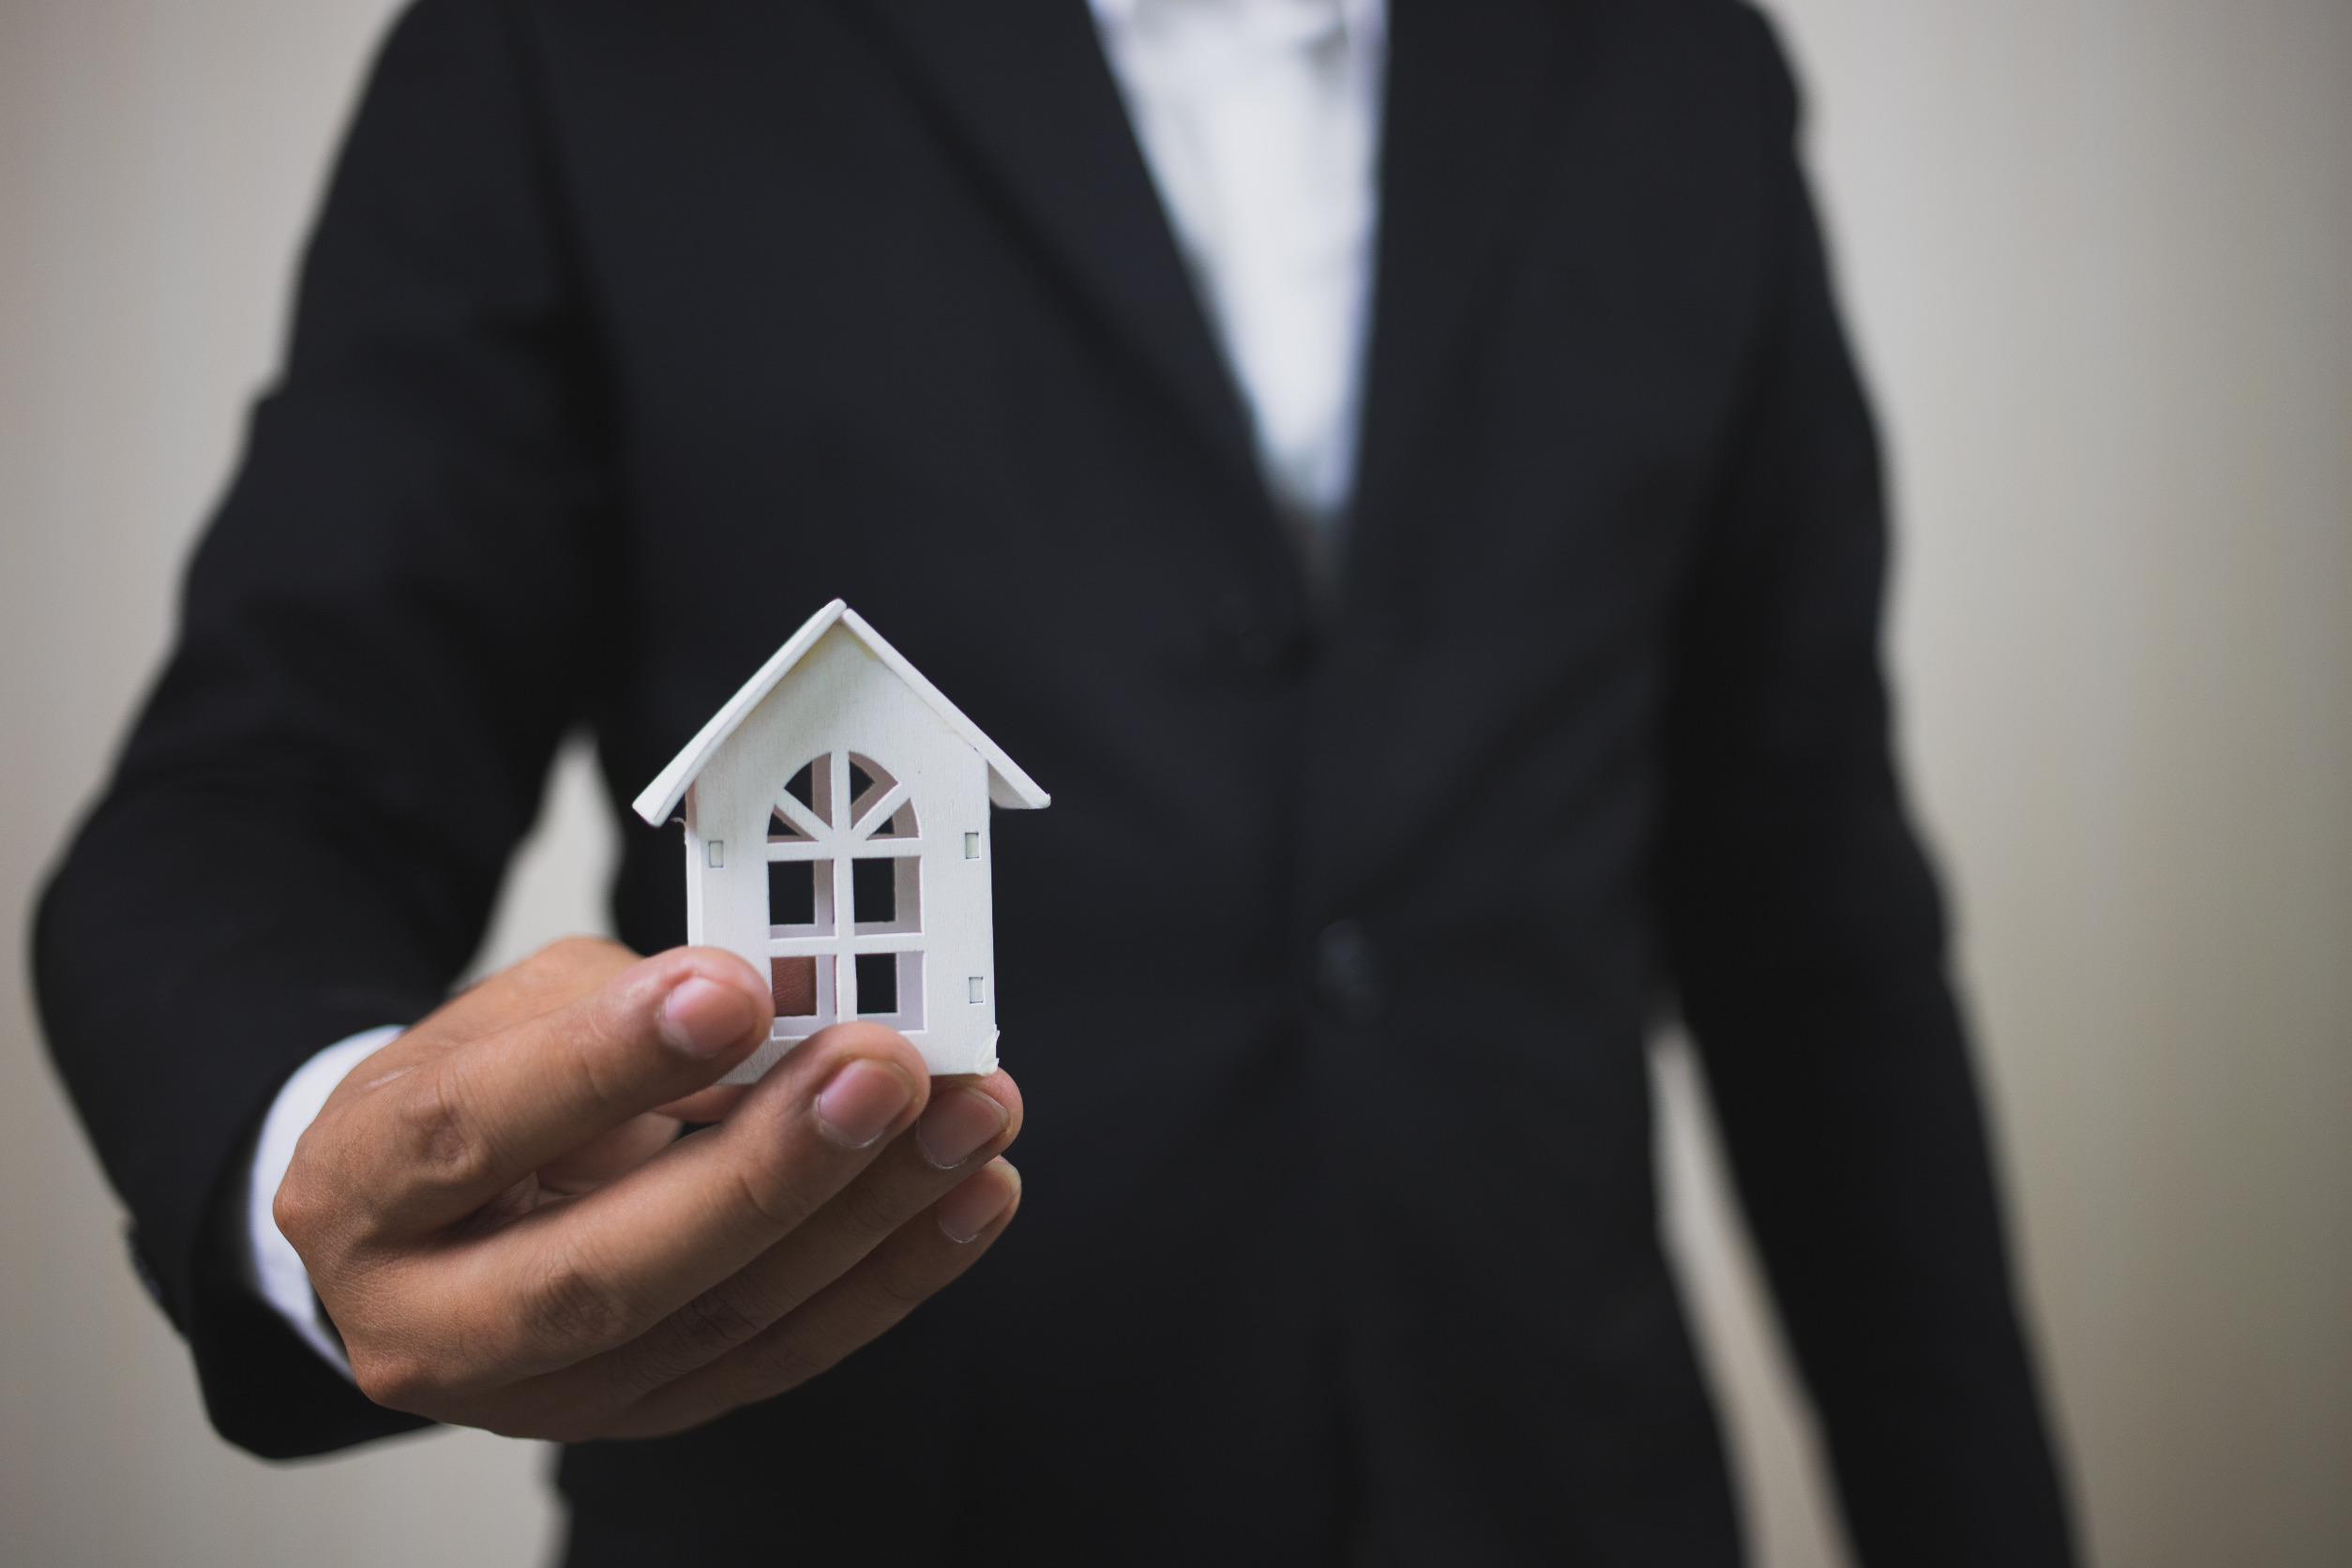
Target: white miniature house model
x,y
837,836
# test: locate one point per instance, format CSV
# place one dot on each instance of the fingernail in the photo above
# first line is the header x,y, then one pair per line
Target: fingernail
x,y
955,1124
702,1018
973,1207
862,1101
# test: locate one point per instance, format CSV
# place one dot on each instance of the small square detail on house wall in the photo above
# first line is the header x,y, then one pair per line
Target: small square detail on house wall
x,y
979,987
972,846
719,853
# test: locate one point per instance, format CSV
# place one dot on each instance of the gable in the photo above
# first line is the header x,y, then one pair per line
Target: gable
x,y
1008,786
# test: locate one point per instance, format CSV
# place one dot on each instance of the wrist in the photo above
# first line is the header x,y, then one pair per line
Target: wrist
x,y
271,1267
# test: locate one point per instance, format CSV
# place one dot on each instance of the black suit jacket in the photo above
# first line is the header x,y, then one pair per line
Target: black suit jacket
x,y
631,333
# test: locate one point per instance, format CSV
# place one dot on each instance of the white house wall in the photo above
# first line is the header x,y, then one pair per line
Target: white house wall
x,y
842,698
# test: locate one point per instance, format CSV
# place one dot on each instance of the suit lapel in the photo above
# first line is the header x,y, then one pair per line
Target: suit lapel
x,y
1472,85
1026,95
1030,100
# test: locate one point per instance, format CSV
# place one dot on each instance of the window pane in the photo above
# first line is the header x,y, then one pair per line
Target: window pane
x,y
874,891
877,982
792,892
793,982
812,786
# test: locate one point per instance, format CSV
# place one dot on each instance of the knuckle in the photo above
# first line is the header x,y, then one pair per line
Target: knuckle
x,y
396,1380
712,1324
606,1073
570,1307
891,1289
767,1186
873,1207
445,1140
299,1207
317,1209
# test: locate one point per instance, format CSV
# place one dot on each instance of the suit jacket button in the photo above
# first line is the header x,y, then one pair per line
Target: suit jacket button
x,y
1348,970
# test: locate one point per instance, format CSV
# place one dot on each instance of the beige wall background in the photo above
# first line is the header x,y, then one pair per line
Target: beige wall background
x,y
2098,255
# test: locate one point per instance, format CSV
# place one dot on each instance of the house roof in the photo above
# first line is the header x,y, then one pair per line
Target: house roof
x,y
1008,786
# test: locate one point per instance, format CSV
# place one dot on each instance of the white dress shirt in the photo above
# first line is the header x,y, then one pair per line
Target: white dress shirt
x,y
1260,121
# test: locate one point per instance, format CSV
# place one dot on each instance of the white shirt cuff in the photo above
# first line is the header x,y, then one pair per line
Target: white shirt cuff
x,y
275,1267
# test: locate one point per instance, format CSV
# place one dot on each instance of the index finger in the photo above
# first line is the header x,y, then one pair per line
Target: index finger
x,y
556,975
573,1279
430,1144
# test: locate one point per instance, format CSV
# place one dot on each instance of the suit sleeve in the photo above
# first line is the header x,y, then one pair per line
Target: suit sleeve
x,y
385,630
1808,943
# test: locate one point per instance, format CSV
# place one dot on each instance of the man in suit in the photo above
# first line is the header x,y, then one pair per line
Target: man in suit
x,y
1447,630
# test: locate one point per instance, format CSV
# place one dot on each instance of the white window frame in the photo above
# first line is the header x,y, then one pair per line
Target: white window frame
x,y
837,945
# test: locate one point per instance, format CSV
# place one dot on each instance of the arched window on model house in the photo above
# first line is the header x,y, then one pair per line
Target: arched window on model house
x,y
867,859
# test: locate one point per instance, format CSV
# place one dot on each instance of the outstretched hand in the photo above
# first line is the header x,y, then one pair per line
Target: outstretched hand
x,y
505,1228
